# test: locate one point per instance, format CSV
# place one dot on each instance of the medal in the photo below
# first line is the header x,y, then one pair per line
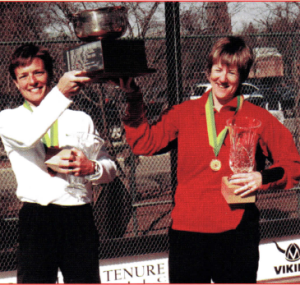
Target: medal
x,y
50,143
216,141
215,165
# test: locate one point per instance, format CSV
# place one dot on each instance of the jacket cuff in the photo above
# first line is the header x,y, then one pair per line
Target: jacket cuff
x,y
272,175
135,110
95,175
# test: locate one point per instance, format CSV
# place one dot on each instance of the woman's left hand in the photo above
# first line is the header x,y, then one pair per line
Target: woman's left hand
x,y
250,182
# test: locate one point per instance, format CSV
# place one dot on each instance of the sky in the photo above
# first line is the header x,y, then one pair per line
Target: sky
x,y
250,12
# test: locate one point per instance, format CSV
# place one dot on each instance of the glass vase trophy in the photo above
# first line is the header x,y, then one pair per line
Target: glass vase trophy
x,y
103,55
242,131
90,145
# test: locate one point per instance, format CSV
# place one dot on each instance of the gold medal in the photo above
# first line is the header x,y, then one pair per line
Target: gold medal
x,y
215,165
216,141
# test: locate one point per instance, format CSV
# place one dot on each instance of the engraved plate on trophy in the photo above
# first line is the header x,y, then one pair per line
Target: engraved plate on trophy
x,y
86,57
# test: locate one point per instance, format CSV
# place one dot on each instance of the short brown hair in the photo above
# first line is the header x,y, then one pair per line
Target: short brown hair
x,y
24,55
232,50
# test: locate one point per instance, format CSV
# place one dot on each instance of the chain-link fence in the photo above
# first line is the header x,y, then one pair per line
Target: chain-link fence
x,y
133,213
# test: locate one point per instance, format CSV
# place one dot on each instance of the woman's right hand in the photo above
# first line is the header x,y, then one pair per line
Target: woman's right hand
x,y
71,82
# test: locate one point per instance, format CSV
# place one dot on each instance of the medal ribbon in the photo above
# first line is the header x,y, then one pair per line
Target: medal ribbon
x,y
216,141
53,140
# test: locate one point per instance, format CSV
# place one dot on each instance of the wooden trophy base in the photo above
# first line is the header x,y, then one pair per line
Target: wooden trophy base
x,y
53,156
106,59
231,198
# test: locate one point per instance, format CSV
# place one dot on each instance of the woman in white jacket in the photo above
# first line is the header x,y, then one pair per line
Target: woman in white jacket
x,y
56,230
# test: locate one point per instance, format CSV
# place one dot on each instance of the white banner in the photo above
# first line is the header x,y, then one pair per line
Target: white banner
x,y
279,259
150,268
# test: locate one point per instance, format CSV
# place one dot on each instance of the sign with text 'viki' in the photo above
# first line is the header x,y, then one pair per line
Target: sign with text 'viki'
x,y
279,259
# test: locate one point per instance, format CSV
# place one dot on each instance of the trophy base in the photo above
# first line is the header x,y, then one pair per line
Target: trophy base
x,y
77,191
231,198
106,58
53,156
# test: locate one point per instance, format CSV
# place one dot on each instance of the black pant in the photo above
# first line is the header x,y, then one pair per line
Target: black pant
x,y
52,237
228,257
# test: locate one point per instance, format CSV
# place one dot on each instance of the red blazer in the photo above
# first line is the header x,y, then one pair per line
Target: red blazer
x,y
199,204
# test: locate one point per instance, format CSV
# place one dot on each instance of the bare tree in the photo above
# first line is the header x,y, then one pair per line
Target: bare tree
x,y
193,20
21,21
282,17
144,18
284,20
218,18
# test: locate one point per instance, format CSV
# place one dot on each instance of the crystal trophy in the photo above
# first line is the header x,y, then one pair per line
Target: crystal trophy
x,y
242,131
90,145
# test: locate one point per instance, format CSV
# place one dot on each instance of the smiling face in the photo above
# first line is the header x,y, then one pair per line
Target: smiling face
x,y
33,81
225,81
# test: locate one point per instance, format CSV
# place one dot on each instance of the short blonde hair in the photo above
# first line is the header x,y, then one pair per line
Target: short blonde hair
x,y
234,51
